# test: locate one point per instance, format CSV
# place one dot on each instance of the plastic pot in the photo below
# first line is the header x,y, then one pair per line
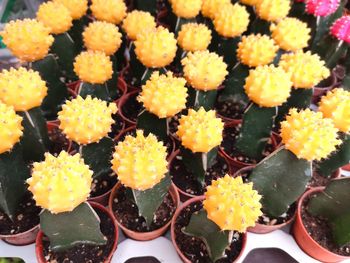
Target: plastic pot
x,y
22,239
121,103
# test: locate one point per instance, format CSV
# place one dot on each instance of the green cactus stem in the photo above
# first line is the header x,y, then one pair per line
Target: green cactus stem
x,y
201,98
75,32
99,91
346,80
112,84
333,204
150,123
148,6
260,26
226,47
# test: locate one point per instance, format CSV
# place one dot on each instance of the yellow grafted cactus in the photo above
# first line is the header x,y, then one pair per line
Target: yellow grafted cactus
x,y
250,2
307,69
55,16
194,37
232,204
200,131
112,11
21,88
204,70
10,128
27,39
336,106
308,135
86,120
77,8
140,162
256,50
93,67
186,8
102,36
59,184
155,48
272,10
290,34
137,21
164,95
268,86
211,7
231,20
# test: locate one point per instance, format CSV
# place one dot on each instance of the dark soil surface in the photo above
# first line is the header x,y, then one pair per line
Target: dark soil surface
x,y
131,108
117,127
229,110
271,221
319,180
59,141
103,184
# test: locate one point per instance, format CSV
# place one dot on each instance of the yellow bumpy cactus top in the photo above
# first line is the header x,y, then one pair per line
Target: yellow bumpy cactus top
x,y
307,69
268,86
250,2
232,204
231,20
211,7
164,95
204,70
156,48
102,36
186,8
86,120
272,10
93,67
256,50
55,16
10,128
308,135
27,39
59,184
290,34
21,88
194,37
77,8
200,131
112,11
137,21
336,106
140,162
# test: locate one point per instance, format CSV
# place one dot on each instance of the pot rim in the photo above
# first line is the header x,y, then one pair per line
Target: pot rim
x,y
121,103
20,234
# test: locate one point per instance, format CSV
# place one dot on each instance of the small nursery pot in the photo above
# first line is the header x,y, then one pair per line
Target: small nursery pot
x,y
143,236
121,85
101,199
55,124
173,235
39,247
73,87
22,239
305,241
121,103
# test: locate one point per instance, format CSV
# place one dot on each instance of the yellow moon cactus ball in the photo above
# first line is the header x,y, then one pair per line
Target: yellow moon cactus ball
x,y
194,37
256,50
273,10
290,34
55,16
155,48
140,162
204,70
232,204
102,36
186,8
137,21
93,67
200,131
250,2
21,88
308,135
112,11
10,128
27,39
336,106
307,69
231,20
59,184
164,95
86,120
268,86
77,8
211,7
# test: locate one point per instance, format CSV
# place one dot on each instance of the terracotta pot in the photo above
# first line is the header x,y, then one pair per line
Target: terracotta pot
x,y
73,87
22,239
305,241
101,199
173,235
39,248
123,75
55,124
143,236
320,91
122,87
121,103
346,167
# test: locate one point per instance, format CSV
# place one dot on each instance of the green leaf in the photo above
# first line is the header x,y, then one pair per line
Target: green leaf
x,y
333,204
280,178
68,229
215,240
256,130
151,123
201,98
99,91
35,139
98,156
148,201
13,173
